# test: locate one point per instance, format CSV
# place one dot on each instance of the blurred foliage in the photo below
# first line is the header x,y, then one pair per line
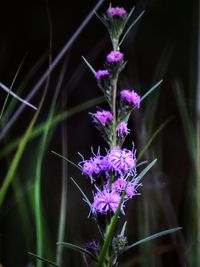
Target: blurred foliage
x,y
162,46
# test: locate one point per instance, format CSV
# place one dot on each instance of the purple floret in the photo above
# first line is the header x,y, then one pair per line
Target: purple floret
x,y
92,247
122,129
94,166
102,116
116,11
121,160
115,56
105,201
120,184
101,74
131,97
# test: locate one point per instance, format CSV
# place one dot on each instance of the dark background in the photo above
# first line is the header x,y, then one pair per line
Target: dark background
x,y
161,46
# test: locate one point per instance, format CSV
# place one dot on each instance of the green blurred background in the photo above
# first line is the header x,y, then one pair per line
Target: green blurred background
x,y
163,45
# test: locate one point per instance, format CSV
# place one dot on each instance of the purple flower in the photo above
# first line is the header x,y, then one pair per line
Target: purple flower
x,y
131,97
122,129
101,74
105,201
94,166
121,160
120,184
92,247
115,56
102,116
116,11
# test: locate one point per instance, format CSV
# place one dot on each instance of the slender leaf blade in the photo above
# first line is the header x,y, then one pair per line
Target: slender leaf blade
x,y
84,195
66,159
131,26
151,90
154,236
89,66
77,248
43,260
140,176
10,92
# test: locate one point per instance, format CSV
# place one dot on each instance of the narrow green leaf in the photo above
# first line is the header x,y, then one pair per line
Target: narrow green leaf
x,y
140,176
186,121
77,248
66,159
130,14
102,21
166,232
55,120
151,90
44,260
131,26
84,195
89,66
123,229
10,92
151,139
13,81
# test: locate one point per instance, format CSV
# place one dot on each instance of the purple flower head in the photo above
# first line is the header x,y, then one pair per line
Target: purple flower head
x,y
121,160
92,247
116,11
101,74
122,129
102,116
120,184
131,97
94,166
105,201
115,56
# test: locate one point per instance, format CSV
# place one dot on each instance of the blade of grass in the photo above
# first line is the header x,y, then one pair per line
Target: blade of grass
x,y
55,120
89,66
187,123
151,90
141,175
83,194
63,204
23,84
131,26
160,71
13,81
154,236
42,147
8,90
152,138
66,159
77,248
48,262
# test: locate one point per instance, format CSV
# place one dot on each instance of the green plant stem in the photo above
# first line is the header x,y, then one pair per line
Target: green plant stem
x,y
63,205
198,141
198,188
114,138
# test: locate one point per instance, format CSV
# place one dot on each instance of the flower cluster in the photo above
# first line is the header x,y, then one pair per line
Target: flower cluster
x,y
118,163
115,172
116,11
130,97
114,57
113,175
103,117
101,74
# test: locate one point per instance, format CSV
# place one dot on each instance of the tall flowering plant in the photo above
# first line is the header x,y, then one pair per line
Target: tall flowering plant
x,y
113,173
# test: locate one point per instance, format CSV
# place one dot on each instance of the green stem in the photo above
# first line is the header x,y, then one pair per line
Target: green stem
x,y
114,138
